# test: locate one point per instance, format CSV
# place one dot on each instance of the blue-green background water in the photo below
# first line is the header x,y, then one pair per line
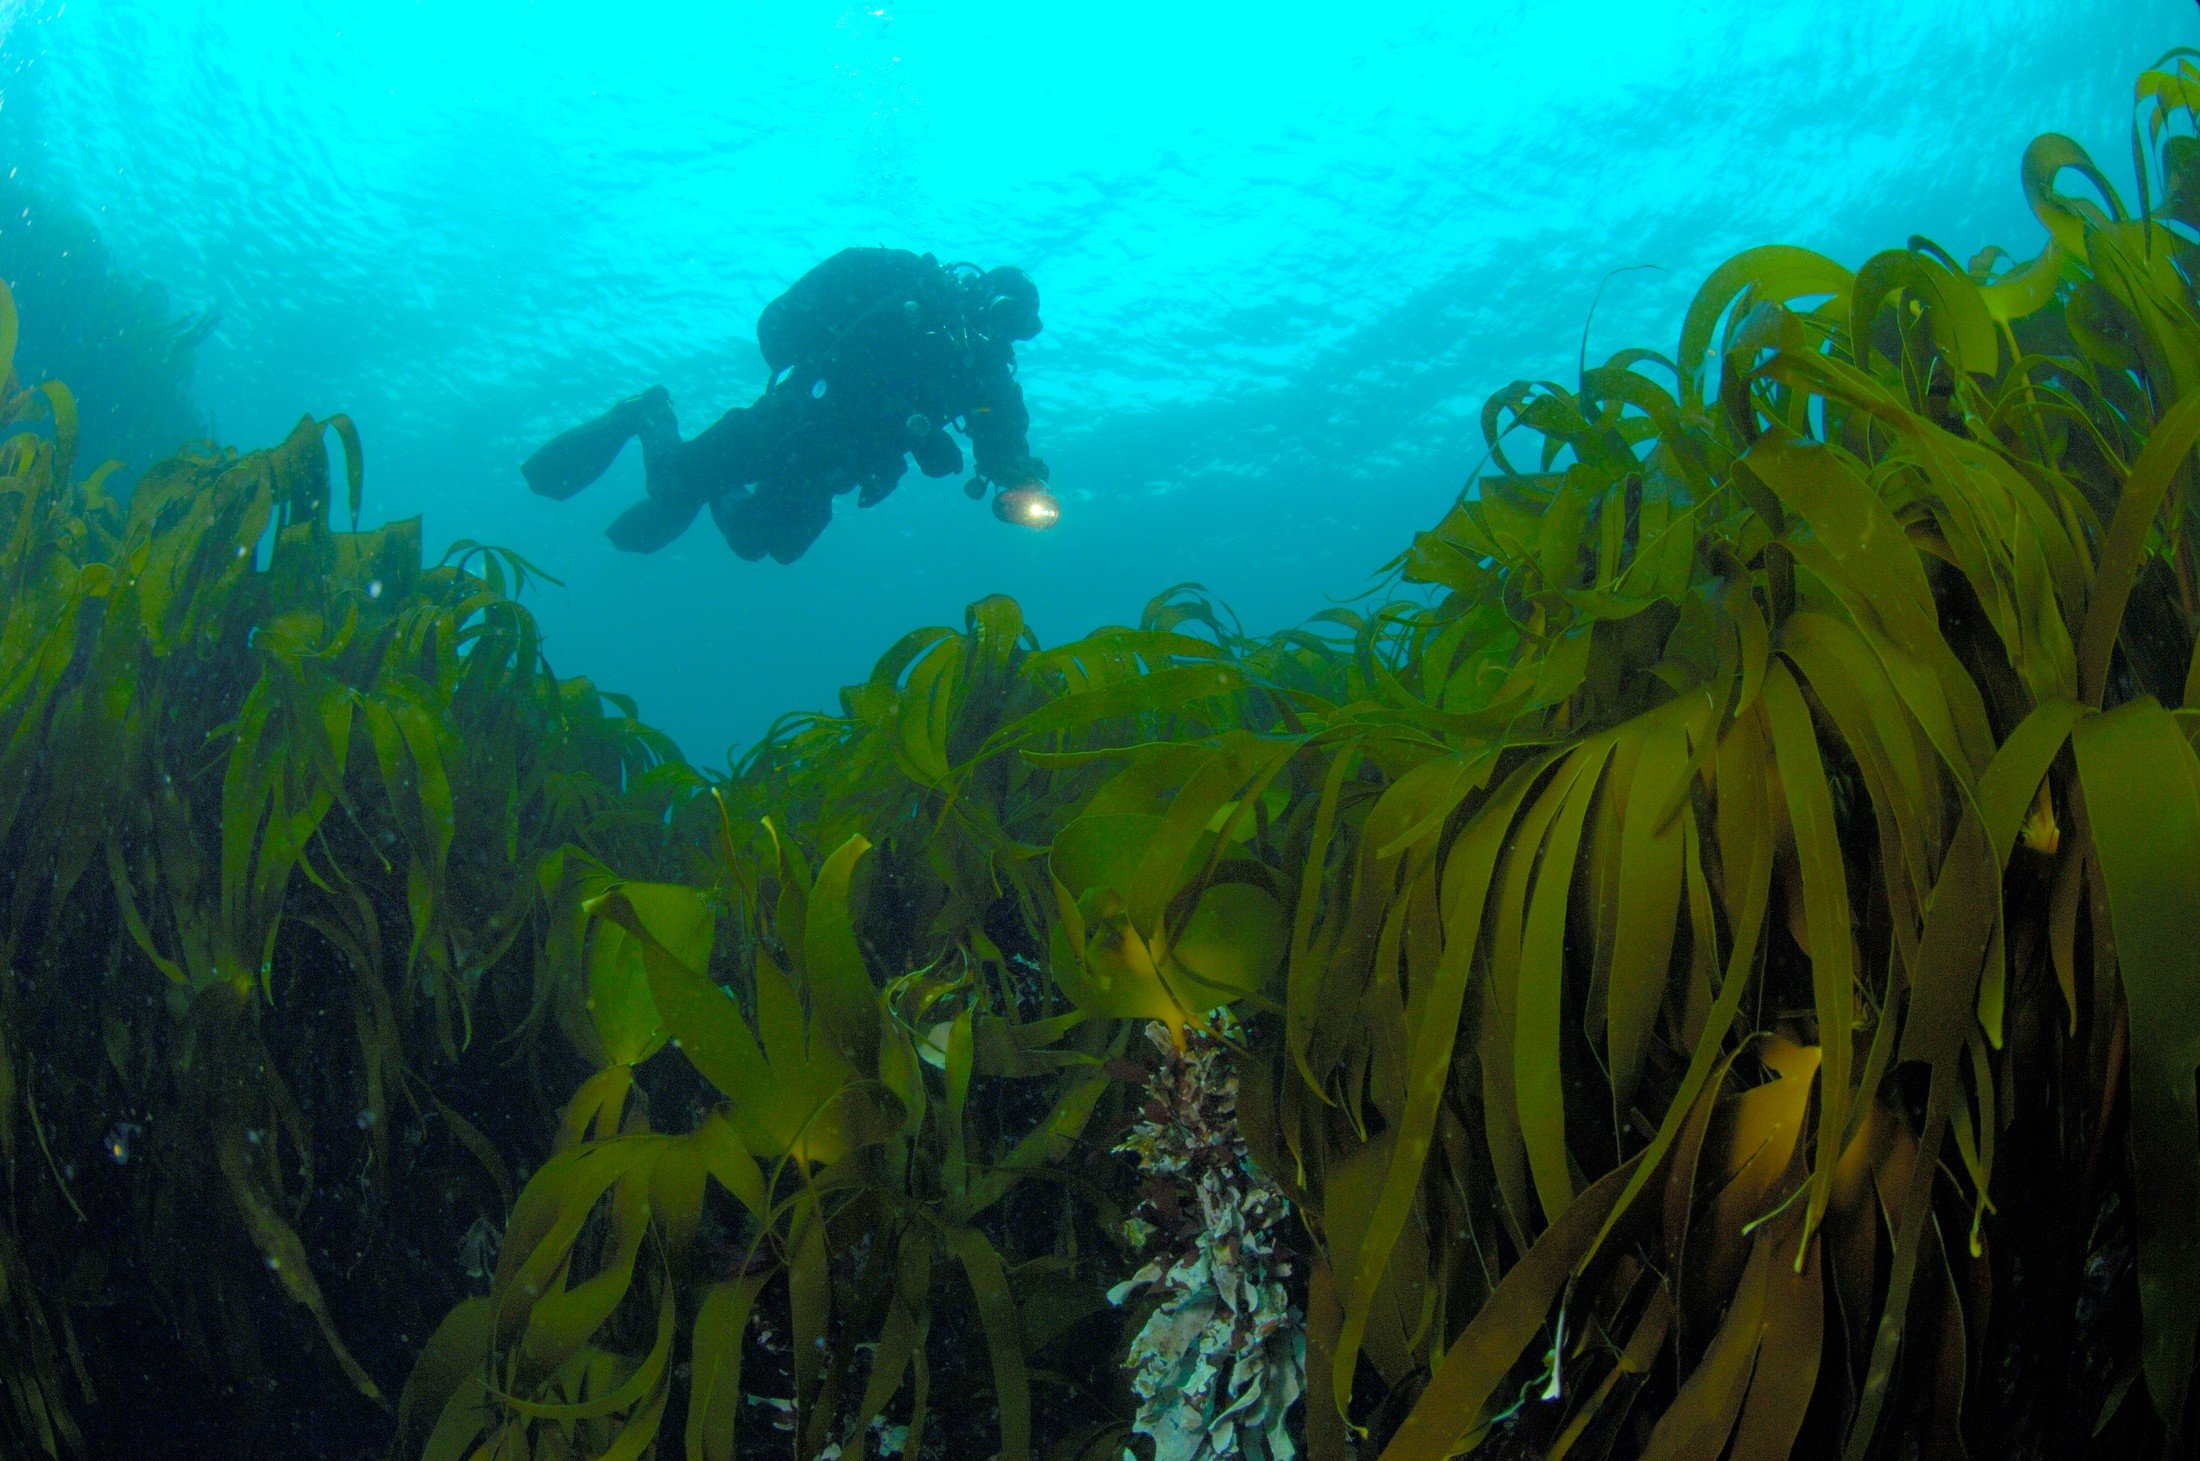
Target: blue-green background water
x,y
1285,251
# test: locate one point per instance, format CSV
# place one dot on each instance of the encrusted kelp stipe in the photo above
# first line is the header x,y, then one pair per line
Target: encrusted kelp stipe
x,y
1221,1358
1704,970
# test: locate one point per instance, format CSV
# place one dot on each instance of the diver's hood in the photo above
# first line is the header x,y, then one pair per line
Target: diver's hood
x,y
1007,304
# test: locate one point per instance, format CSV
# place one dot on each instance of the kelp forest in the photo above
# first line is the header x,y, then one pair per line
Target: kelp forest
x,y
1701,964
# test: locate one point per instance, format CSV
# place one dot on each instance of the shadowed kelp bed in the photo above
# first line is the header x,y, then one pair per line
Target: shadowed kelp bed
x,y
1708,965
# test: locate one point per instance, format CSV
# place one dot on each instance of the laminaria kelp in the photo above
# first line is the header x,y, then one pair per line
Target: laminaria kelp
x,y
1705,965
250,771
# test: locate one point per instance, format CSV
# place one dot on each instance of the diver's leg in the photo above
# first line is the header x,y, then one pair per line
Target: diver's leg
x,y
741,521
880,481
663,453
572,460
937,455
799,516
652,523
683,475
781,518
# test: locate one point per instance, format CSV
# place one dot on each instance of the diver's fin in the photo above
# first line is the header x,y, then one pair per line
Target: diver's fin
x,y
574,459
651,523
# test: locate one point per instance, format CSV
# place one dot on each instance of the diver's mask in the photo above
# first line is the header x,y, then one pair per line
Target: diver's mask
x,y
1005,304
1029,506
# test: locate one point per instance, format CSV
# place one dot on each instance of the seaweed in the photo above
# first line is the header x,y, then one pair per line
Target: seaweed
x,y
252,769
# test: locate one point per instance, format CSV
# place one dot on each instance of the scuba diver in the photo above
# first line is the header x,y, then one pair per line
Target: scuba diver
x,y
873,354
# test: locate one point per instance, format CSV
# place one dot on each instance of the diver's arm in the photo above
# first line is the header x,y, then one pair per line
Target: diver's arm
x,y
997,426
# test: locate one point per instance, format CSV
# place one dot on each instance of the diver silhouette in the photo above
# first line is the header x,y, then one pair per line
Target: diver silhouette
x,y
873,354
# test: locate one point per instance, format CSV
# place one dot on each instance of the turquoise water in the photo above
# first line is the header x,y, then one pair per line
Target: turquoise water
x,y
1284,251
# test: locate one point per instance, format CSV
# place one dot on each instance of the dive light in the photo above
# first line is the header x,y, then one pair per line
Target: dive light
x,y
1030,506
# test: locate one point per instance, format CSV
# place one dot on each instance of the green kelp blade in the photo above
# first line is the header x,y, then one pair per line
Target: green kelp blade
x,y
1776,271
1959,924
1701,1417
720,1150
810,1308
1962,330
1537,1036
1049,1142
2122,551
354,462
677,919
1004,1336
843,1000
2142,795
1106,969
901,1338
643,1382
1200,811
1502,1329
2026,289
1170,689
456,1352
1231,947
563,1318
1102,850
706,1023
1432,1036
714,1399
923,712
1650,865
1826,911
646,923
620,1009
279,1243
812,1107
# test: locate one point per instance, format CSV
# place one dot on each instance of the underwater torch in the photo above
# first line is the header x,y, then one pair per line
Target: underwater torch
x,y
1029,506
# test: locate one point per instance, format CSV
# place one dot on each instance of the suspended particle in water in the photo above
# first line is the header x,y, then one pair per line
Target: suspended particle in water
x,y
374,589
117,1141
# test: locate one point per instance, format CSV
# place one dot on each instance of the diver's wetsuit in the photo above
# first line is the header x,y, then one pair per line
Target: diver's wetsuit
x,y
873,353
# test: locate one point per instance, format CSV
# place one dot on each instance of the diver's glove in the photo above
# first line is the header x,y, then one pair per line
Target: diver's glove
x,y
1019,472
1012,475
